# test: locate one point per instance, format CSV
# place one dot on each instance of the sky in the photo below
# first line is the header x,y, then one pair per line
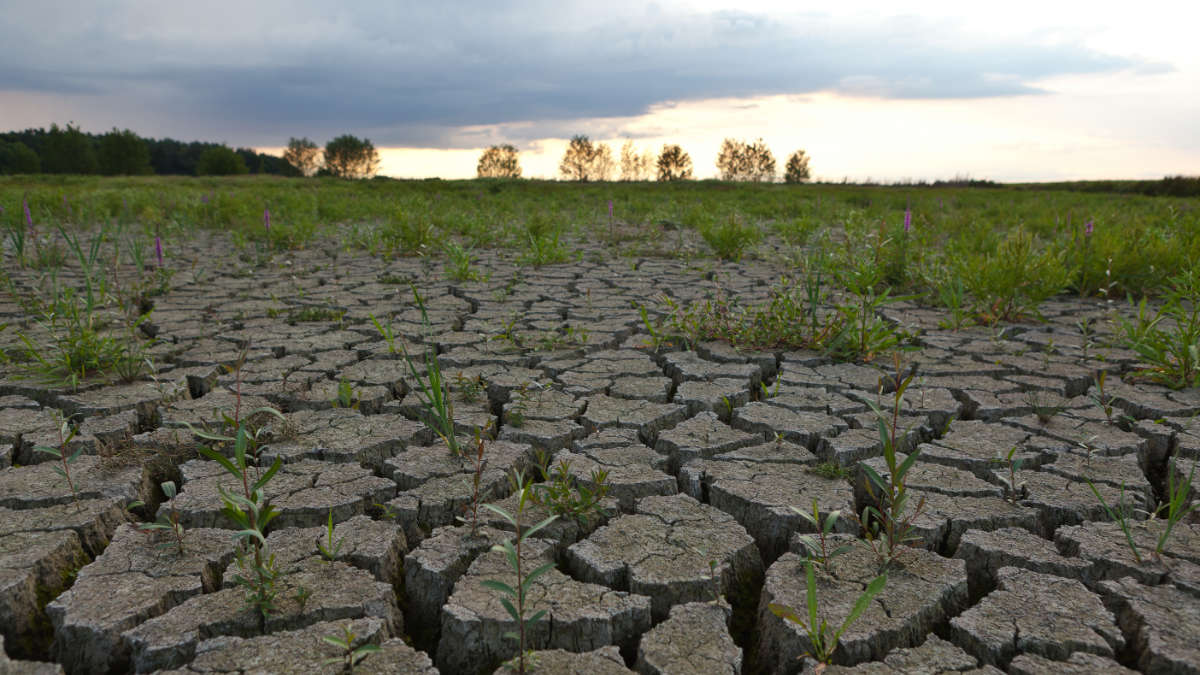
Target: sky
x,y
1013,91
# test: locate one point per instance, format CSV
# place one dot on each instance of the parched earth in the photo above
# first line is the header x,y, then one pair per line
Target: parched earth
x,y
706,452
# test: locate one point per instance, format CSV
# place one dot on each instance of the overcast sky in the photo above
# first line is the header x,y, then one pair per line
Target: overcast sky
x,y
1016,91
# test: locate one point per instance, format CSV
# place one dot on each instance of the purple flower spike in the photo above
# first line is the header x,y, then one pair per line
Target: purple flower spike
x,y
28,215
907,221
610,209
158,250
203,199
267,219
1087,228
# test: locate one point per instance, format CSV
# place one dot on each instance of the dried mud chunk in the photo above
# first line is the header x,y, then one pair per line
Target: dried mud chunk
x,y
648,419
673,549
580,616
934,657
39,485
34,567
1103,546
986,552
701,437
1080,663
1163,622
922,591
693,639
804,428
1069,618
603,661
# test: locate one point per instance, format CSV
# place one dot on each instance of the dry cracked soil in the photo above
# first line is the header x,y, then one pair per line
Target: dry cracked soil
x,y
706,452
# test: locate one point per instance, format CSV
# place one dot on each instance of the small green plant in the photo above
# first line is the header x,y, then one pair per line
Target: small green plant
x,y
545,249
1012,489
432,390
478,464
818,547
1176,504
565,496
1118,513
351,655
346,397
1102,399
470,389
302,596
1169,339
458,263
821,636
830,470
1042,409
515,599
657,339
386,332
1011,277
887,524
65,435
730,239
329,549
316,314
168,522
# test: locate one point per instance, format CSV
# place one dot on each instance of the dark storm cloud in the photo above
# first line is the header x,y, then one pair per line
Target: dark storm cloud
x,y
415,76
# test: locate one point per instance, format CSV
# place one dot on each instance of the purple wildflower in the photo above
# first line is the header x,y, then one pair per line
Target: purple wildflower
x,y
158,250
1087,228
907,221
28,215
267,219
203,199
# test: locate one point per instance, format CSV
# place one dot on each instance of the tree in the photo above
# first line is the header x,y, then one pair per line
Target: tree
x,y
635,166
17,157
350,157
304,155
576,163
220,160
674,164
499,161
68,151
797,168
603,165
745,161
123,153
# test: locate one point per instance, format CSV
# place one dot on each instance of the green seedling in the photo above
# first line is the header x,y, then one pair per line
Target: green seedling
x,y
167,522
565,496
1012,489
345,395
818,548
1170,338
515,599
329,549
351,655
302,596
65,435
389,335
432,389
1101,398
479,463
458,263
1118,514
887,524
830,470
1176,505
821,636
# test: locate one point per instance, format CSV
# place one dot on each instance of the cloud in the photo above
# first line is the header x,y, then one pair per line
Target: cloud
x,y
410,74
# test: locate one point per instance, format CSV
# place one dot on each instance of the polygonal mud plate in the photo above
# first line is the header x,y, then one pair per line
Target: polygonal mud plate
x,y
603,661
760,496
345,435
694,639
1032,613
673,549
135,579
1080,663
1104,547
922,591
304,493
37,486
988,551
34,567
934,657
701,437
583,616
1163,622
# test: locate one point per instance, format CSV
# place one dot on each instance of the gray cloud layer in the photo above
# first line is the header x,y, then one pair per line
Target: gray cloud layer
x,y
413,75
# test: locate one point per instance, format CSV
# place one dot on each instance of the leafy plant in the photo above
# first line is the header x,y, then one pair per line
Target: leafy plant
x,y
1009,279
1118,514
250,510
329,549
478,464
346,397
351,655
458,263
818,548
168,522
887,523
1170,338
1043,410
515,599
1013,490
1103,400
823,638
1176,504
565,496
432,389
731,238
65,434
386,332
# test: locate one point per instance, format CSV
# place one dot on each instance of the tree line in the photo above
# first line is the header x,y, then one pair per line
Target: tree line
x,y
123,153
587,161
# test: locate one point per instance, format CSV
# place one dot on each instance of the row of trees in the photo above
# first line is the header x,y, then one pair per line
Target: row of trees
x,y
122,152
345,157
587,161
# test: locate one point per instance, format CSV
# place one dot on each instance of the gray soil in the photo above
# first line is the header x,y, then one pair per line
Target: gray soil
x,y
675,571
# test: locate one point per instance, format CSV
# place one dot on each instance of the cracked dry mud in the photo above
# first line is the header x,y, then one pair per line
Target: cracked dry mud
x,y
706,452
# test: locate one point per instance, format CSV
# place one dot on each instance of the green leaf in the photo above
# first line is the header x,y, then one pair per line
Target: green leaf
x,y
535,574
498,586
239,447
811,592
275,466
861,604
220,459
905,466
75,456
336,642
537,527
502,513
806,516
535,618
831,520
873,476
206,435
48,450
787,614
512,611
